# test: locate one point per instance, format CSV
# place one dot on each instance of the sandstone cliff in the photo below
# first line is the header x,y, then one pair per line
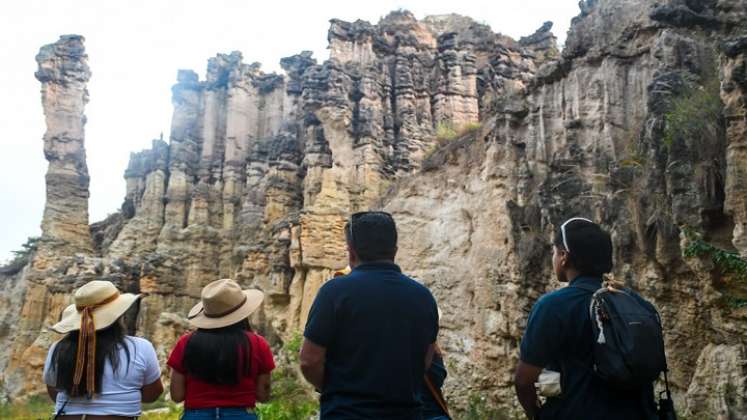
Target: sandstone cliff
x,y
261,171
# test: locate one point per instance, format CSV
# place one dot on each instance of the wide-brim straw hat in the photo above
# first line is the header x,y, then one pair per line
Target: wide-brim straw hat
x,y
106,302
223,303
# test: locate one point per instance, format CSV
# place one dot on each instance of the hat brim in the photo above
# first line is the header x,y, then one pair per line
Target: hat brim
x,y
198,319
103,316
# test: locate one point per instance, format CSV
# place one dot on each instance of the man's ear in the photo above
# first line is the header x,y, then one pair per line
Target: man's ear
x,y
352,255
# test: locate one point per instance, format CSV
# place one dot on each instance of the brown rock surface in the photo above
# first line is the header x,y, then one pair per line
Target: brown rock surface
x,y
261,171
63,72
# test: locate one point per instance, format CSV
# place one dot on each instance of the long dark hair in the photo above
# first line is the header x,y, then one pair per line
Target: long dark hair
x,y
108,342
219,356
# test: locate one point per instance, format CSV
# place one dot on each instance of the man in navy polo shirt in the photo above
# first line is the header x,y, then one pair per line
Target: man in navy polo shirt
x,y
370,334
559,337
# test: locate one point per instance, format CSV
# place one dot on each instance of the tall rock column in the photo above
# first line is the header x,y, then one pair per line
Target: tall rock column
x,y
63,72
734,96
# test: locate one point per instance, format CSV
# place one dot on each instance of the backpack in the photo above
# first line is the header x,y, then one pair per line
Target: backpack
x,y
628,338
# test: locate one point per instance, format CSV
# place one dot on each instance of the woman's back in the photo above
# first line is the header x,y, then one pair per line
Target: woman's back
x,y
120,389
202,394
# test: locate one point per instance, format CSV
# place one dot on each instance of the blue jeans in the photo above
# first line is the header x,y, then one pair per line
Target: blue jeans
x,y
218,413
438,418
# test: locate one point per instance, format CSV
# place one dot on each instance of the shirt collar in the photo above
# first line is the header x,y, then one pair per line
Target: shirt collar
x,y
378,266
590,280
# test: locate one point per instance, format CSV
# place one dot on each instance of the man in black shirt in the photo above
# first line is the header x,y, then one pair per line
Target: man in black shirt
x,y
559,337
370,334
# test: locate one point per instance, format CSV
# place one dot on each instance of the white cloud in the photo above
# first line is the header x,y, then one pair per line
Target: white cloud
x,y
135,49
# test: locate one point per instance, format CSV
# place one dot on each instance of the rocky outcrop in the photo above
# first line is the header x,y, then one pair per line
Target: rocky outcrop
x,y
63,72
261,171
733,93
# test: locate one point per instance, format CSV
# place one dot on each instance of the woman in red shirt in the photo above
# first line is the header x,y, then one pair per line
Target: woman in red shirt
x,y
223,368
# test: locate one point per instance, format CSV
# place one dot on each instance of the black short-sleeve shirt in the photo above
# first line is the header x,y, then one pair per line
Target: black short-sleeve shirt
x,y
376,325
559,337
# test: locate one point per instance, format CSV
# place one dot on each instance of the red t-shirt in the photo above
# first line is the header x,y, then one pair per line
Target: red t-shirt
x,y
201,394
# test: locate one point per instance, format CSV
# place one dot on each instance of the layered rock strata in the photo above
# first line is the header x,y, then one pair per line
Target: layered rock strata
x,y
261,171
63,72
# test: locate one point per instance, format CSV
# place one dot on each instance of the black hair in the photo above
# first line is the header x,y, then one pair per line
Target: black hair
x,y
590,247
219,356
374,236
108,341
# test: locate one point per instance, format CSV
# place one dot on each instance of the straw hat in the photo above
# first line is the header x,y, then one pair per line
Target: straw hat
x,y
223,303
104,301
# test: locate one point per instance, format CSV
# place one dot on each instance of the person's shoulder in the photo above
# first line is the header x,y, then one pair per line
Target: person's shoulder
x,y
556,297
416,286
338,283
140,343
258,338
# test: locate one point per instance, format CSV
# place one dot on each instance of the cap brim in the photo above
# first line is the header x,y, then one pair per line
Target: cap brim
x,y
198,319
103,316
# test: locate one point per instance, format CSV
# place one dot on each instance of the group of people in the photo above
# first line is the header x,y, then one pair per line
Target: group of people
x,y
370,344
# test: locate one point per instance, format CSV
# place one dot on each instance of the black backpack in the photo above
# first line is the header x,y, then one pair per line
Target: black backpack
x,y
628,338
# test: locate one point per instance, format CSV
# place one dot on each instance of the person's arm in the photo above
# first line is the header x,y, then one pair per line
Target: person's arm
x,y
49,374
52,392
543,337
524,379
429,355
152,385
312,358
150,393
318,335
263,388
178,386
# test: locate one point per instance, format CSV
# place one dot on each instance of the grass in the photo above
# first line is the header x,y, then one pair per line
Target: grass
x,y
291,400
479,409
695,114
38,407
446,132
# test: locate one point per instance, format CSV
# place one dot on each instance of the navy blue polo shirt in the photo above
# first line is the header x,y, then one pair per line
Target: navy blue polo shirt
x,y
559,337
376,325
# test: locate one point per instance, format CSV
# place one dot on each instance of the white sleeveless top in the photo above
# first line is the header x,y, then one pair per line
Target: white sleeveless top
x,y
120,390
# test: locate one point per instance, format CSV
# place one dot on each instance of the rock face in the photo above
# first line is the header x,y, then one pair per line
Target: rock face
x,y
261,171
63,72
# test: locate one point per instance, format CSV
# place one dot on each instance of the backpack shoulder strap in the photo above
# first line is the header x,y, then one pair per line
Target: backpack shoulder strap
x,y
437,395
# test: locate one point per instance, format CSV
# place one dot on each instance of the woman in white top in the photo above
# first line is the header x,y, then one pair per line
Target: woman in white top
x,y
97,372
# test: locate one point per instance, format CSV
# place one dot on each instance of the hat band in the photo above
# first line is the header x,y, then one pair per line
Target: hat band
x,y
222,314
110,299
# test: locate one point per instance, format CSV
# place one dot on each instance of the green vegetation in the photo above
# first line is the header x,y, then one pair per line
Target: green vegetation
x,y
729,263
38,407
480,409
168,411
21,257
291,399
446,131
695,114
636,155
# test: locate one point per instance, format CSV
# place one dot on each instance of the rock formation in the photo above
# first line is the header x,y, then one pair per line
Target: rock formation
x,y
63,72
261,171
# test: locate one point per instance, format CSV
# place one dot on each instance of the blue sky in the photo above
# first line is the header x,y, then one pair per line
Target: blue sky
x,y
135,48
